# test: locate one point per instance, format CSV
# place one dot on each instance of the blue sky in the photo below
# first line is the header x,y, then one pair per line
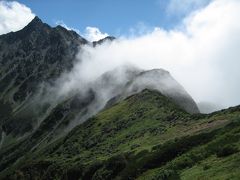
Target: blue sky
x,y
112,16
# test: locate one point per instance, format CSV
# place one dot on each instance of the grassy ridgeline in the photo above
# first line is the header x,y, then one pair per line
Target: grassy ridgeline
x,y
145,136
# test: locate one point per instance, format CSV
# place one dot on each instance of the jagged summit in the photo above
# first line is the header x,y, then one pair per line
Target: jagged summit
x,y
36,25
32,30
36,21
72,34
38,29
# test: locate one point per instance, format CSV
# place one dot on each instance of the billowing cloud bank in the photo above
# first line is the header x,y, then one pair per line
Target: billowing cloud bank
x,y
13,16
202,54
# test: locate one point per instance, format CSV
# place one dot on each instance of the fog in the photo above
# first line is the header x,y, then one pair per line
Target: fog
x,y
202,53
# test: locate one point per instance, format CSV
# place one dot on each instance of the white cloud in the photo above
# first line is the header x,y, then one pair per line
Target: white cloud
x,y
13,16
183,7
94,34
203,56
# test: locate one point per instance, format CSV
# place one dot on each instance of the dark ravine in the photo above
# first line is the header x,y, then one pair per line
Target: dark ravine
x,y
83,135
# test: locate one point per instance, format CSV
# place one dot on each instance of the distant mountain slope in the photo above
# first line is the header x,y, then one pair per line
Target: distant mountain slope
x,y
144,136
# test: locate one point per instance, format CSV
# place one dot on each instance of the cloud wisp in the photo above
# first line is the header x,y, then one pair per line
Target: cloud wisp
x,y
183,7
13,16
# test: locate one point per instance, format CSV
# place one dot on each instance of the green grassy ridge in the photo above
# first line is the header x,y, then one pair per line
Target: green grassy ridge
x,y
114,121
168,152
126,140
214,168
131,165
193,164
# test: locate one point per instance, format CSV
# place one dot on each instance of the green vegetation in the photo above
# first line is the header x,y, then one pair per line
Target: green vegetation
x,y
194,164
145,136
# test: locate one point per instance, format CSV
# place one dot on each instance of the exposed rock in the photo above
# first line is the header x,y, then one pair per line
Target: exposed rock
x,y
101,41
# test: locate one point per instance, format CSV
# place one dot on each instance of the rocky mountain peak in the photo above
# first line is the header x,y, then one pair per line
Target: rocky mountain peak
x,y
36,25
37,53
36,21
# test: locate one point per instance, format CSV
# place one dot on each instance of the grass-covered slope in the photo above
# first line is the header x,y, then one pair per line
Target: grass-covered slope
x,y
145,136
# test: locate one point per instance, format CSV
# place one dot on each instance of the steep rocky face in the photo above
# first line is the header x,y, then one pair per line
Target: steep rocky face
x,y
38,53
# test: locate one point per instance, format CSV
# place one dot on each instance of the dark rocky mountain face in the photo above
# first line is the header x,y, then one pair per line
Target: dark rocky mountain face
x,y
37,55
29,57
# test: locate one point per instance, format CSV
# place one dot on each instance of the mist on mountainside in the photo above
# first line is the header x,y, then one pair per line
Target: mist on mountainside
x,y
201,54
206,107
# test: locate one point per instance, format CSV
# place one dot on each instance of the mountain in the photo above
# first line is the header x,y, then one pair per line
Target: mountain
x,y
29,57
37,55
128,123
34,54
